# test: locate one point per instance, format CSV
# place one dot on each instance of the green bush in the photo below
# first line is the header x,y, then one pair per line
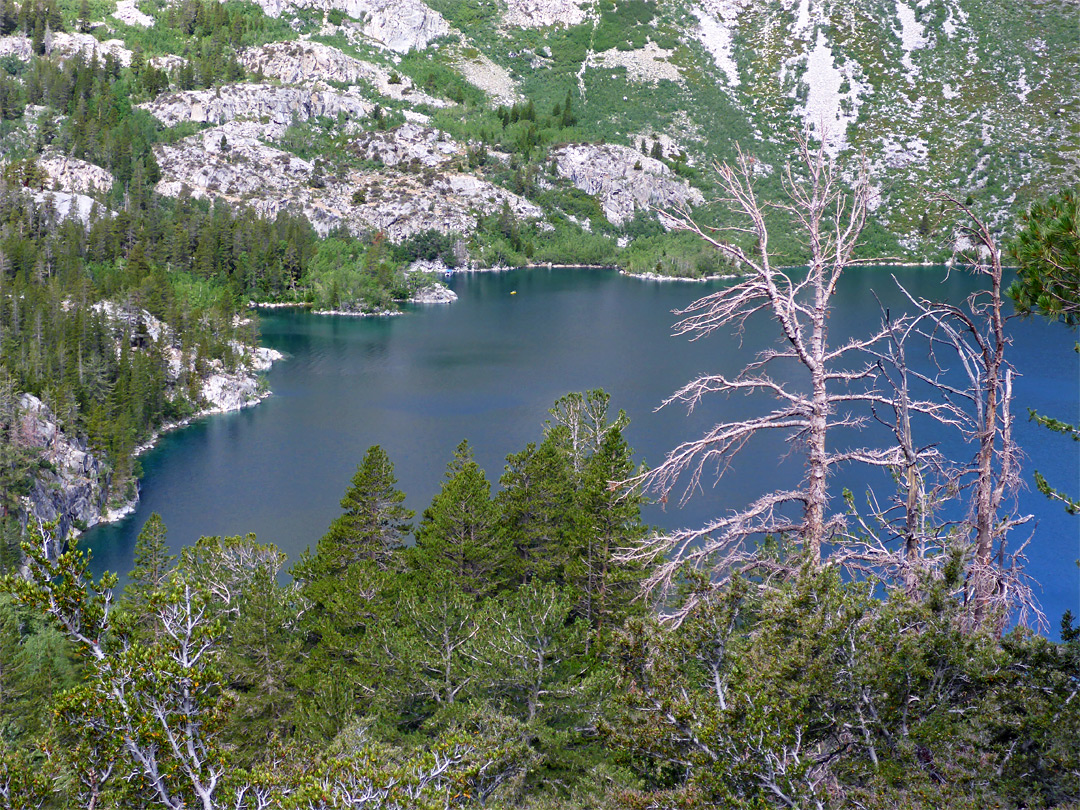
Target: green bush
x,y
573,246
676,253
429,245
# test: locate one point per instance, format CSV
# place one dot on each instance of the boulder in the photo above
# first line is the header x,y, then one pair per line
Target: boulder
x,y
300,61
128,13
543,13
436,293
74,175
648,65
167,62
64,46
19,47
408,143
399,25
66,205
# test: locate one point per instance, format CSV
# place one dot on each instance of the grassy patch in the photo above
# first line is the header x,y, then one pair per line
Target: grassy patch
x,y
434,74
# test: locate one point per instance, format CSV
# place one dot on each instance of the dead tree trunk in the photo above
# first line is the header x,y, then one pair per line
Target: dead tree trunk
x,y
995,581
830,219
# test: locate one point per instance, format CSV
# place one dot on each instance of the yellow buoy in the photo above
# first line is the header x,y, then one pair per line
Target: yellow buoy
x,y
513,292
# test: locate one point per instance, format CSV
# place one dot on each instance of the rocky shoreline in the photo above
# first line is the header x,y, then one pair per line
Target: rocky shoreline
x,y
75,487
658,277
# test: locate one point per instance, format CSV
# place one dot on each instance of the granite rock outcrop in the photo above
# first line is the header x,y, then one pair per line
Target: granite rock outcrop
x,y
623,180
72,486
397,202
269,103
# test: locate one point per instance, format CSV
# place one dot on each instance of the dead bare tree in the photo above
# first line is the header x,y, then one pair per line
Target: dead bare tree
x,y
910,536
974,333
830,214
904,539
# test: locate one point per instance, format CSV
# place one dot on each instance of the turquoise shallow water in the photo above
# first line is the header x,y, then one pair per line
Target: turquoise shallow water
x,y
488,367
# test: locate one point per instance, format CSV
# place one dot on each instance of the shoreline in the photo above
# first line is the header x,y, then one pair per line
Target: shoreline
x,y
648,276
114,514
501,268
352,314
651,276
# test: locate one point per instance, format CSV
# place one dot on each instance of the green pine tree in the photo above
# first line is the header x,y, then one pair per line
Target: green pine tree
x,y
261,648
342,584
568,118
536,511
609,515
16,704
458,534
428,642
374,524
153,564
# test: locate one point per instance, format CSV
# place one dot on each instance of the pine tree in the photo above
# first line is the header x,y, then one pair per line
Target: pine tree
x,y
536,511
342,584
429,642
609,520
9,17
458,535
375,523
568,118
260,652
153,563
14,668
533,650
37,39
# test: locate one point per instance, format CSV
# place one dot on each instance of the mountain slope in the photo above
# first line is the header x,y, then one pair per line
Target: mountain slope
x,y
964,96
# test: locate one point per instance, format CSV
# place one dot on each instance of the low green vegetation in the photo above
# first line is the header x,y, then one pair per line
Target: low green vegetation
x,y
194,28
679,254
354,274
435,75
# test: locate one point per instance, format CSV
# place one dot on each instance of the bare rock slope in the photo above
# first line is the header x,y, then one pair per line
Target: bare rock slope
x,y
624,180
542,13
399,25
74,487
399,203
302,62
61,205
74,175
275,103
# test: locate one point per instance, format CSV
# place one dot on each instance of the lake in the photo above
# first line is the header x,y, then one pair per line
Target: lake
x,y
488,367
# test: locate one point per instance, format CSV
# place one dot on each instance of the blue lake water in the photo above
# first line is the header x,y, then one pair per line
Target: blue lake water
x,y
488,367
